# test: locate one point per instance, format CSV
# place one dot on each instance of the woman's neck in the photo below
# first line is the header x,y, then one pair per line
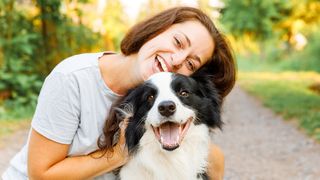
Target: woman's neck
x,y
119,72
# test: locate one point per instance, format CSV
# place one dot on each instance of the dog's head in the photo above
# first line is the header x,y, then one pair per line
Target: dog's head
x,y
168,104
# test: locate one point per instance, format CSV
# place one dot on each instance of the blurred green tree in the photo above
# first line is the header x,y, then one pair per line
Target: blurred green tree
x,y
51,18
17,78
61,34
254,18
34,37
277,20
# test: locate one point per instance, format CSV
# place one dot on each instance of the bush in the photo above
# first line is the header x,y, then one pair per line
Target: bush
x,y
18,80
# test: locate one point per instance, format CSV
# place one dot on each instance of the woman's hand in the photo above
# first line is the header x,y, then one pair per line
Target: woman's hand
x,y
120,149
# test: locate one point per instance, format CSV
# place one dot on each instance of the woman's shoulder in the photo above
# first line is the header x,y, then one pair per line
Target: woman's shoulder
x,y
78,62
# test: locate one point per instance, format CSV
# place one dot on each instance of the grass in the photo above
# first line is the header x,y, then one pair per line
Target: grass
x,y
287,94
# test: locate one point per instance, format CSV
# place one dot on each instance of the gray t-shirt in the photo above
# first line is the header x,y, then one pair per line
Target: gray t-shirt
x,y
72,107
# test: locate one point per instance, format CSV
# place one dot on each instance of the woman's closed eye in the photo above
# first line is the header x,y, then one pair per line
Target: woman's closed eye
x,y
190,64
178,42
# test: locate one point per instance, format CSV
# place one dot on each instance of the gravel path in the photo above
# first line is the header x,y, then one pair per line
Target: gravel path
x,y
9,146
257,144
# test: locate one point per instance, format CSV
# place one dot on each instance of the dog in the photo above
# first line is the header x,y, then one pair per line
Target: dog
x,y
170,118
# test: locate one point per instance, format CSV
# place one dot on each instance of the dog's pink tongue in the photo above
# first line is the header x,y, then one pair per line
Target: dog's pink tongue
x,y
169,133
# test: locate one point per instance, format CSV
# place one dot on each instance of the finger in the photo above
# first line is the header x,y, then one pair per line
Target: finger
x,y
123,125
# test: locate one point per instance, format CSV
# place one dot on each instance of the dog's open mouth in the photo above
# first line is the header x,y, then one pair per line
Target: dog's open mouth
x,y
170,134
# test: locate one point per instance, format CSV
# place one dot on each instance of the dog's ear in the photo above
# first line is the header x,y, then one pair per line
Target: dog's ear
x,y
208,90
110,134
124,111
127,105
132,103
123,108
206,85
120,116
131,98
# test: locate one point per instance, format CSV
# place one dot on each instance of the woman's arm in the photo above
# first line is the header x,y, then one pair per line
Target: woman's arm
x,y
216,163
48,159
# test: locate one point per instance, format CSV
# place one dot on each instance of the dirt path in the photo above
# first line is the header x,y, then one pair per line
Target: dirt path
x,y
257,144
9,146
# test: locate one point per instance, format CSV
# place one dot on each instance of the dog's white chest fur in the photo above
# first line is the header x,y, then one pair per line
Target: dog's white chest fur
x,y
185,162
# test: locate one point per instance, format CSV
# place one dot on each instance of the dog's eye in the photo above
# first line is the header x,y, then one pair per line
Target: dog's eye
x,y
150,97
184,93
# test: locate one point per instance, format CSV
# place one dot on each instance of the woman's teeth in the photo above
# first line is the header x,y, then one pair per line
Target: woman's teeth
x,y
162,63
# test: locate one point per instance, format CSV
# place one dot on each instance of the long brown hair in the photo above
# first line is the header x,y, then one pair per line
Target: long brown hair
x,y
221,66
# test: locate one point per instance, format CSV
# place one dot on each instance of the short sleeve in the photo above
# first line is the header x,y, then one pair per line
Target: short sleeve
x,y
57,114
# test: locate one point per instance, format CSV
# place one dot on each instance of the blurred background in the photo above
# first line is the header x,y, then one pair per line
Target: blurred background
x,y
276,42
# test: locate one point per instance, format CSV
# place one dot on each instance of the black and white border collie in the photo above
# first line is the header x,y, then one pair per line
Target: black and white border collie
x,y
169,121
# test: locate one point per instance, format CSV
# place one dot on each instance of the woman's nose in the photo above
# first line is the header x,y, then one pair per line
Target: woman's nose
x,y
178,58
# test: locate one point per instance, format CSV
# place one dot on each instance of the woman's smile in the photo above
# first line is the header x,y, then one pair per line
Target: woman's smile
x,y
161,65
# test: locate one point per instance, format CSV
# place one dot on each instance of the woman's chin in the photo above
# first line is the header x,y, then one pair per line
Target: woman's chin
x,y
146,75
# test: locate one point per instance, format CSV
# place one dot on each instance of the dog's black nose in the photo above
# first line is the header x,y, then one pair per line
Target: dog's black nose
x,y
167,108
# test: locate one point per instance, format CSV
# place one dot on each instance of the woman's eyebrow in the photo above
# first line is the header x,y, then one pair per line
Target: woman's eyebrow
x,y
197,58
186,37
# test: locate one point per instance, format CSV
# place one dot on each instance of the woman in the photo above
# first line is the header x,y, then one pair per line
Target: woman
x,y
77,95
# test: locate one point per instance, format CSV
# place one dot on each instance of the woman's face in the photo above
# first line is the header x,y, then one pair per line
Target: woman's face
x,y
183,48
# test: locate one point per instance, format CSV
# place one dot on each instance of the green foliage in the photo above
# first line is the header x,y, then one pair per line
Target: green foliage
x,y
50,10
255,23
253,17
30,46
60,34
16,72
252,63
